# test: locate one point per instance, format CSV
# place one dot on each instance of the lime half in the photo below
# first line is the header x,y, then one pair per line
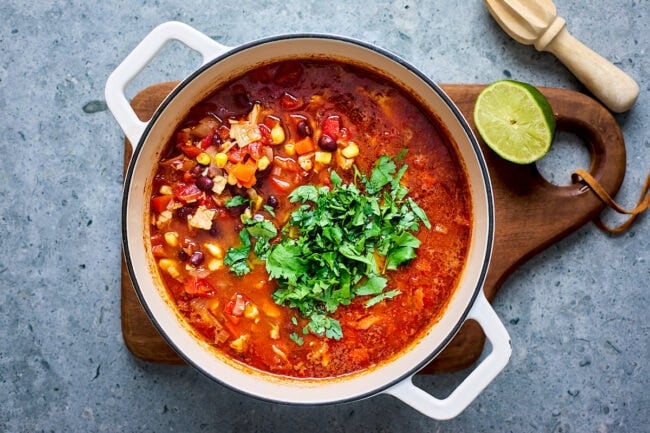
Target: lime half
x,y
515,120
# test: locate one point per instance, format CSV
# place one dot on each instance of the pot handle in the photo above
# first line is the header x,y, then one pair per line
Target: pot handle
x,y
473,384
135,62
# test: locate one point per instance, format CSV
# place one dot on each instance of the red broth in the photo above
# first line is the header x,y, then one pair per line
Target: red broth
x,y
297,121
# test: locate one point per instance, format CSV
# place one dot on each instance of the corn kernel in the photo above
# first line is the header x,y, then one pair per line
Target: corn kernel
x,y
343,162
263,163
214,250
166,190
232,180
351,150
290,149
305,162
203,158
169,266
171,238
323,157
251,311
220,159
215,264
258,203
277,134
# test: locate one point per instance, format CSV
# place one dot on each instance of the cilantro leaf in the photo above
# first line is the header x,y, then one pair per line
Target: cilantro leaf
x,y
296,339
237,200
237,257
381,297
340,241
323,325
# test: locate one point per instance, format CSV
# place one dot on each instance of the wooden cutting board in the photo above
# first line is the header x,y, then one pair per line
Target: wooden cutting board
x,y
531,213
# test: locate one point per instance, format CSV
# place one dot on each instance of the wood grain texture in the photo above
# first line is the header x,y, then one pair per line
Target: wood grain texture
x,y
531,213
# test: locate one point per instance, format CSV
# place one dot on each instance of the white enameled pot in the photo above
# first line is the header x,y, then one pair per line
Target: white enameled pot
x,y
220,65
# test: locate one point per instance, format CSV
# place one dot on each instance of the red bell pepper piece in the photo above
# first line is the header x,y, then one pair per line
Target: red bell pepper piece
x,y
191,151
197,286
332,126
207,140
187,192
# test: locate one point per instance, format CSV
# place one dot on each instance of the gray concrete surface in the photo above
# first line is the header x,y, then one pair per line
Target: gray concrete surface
x,y
577,313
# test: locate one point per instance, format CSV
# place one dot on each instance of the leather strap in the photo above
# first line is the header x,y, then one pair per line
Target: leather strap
x,y
642,204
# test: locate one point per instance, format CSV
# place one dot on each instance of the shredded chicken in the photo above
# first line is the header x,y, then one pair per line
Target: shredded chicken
x,y
202,218
245,132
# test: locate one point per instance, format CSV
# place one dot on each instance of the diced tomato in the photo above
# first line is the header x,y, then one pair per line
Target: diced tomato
x,y
245,172
207,201
289,102
266,134
288,164
188,177
159,203
332,126
236,305
187,192
207,141
223,132
191,151
279,184
237,154
255,150
197,286
271,121
158,251
304,146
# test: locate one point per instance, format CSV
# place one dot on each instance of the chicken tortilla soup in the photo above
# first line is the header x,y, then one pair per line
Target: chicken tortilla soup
x,y
310,219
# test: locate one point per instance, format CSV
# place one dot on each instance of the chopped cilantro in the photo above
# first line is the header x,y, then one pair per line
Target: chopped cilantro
x,y
262,231
237,200
340,241
237,257
296,338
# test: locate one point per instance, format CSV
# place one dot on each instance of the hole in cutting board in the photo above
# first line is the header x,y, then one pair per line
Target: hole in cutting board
x,y
567,153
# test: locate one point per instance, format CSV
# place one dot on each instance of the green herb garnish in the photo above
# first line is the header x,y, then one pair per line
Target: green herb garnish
x,y
340,241
261,231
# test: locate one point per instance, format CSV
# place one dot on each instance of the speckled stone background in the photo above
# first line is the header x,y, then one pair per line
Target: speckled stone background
x,y
577,313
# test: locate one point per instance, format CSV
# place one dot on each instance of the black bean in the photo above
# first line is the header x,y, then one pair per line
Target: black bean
x,y
204,183
214,230
327,143
187,210
304,129
273,201
182,255
196,258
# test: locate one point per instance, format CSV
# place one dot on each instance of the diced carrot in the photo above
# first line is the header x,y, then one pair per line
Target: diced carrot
x,y
237,154
245,171
159,204
305,145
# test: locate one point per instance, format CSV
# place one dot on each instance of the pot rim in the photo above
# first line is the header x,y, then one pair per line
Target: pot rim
x,y
481,276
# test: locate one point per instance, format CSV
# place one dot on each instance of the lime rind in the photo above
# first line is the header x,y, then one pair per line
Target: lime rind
x,y
515,120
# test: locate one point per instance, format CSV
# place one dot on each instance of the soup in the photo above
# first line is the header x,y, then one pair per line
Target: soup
x,y
309,219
